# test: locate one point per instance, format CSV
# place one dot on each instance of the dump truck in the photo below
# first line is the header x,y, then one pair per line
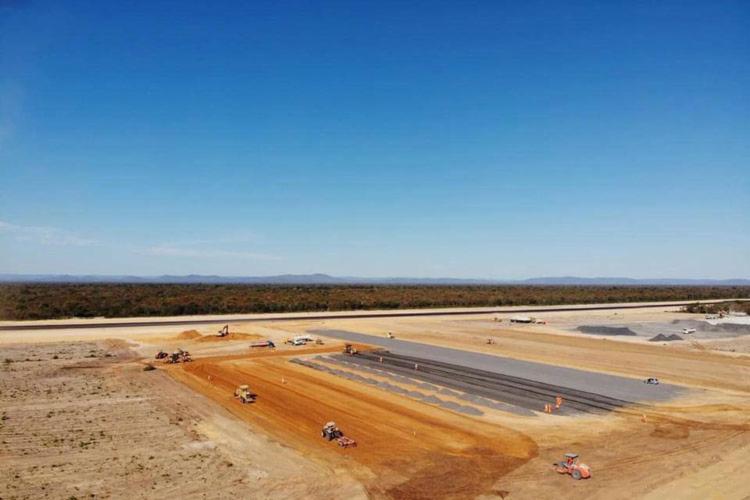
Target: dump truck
x,y
263,343
244,394
332,432
571,466
350,350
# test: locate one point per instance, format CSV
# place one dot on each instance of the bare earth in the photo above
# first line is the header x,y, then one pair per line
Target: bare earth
x,y
79,417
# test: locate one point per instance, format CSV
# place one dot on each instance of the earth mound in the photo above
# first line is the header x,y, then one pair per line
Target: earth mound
x,y
606,330
189,335
665,338
231,336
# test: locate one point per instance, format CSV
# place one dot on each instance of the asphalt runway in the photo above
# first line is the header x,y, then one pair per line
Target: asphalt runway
x,y
611,387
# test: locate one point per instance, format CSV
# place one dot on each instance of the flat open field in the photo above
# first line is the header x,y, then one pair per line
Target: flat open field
x,y
80,417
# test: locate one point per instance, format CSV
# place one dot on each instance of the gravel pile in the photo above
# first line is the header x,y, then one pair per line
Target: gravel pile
x,y
606,330
665,338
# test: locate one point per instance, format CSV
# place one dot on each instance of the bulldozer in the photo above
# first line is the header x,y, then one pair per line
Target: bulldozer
x,y
244,394
571,466
223,332
350,350
332,432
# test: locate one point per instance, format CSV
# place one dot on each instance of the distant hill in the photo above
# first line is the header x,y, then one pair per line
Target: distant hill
x,y
325,279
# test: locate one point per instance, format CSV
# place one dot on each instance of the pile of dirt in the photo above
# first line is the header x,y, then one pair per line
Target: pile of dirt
x,y
231,336
606,330
665,338
189,335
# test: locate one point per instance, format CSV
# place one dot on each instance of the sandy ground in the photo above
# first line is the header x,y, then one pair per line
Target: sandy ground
x,y
84,420
92,422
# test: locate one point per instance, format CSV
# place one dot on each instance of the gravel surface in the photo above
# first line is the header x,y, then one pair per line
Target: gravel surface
x,y
613,386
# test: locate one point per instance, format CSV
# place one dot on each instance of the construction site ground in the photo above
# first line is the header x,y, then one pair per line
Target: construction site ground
x,y
79,416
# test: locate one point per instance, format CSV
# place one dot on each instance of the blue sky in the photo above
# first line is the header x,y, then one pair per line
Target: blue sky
x,y
465,139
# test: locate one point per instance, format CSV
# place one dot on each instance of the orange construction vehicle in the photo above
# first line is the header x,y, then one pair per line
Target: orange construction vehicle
x,y
572,467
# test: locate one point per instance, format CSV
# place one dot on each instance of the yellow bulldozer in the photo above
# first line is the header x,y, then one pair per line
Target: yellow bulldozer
x,y
244,394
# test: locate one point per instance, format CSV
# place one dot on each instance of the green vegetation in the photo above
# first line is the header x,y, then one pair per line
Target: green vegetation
x,y
715,308
47,301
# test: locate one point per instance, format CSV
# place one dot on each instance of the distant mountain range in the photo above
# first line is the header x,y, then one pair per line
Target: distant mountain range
x,y
325,279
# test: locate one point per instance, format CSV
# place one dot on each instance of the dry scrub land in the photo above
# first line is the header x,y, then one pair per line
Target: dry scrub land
x,y
80,417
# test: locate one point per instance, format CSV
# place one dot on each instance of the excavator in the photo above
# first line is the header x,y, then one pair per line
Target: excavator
x,y
224,331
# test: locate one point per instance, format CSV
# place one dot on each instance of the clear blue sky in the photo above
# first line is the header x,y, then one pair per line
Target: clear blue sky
x,y
466,139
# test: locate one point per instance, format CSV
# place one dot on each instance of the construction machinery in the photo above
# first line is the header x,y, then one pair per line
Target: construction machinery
x,y
651,381
179,356
390,335
161,355
571,466
332,432
350,350
263,343
223,332
244,394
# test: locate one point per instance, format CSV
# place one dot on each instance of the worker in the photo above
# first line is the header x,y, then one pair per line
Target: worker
x,y
558,402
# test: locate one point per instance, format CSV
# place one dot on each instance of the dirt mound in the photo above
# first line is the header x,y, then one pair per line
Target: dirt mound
x,y
606,330
231,336
665,338
189,335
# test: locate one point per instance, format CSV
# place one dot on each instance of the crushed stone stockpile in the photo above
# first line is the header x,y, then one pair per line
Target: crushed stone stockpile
x,y
665,338
469,410
606,330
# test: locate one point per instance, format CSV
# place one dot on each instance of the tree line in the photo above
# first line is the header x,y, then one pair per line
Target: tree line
x,y
50,301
